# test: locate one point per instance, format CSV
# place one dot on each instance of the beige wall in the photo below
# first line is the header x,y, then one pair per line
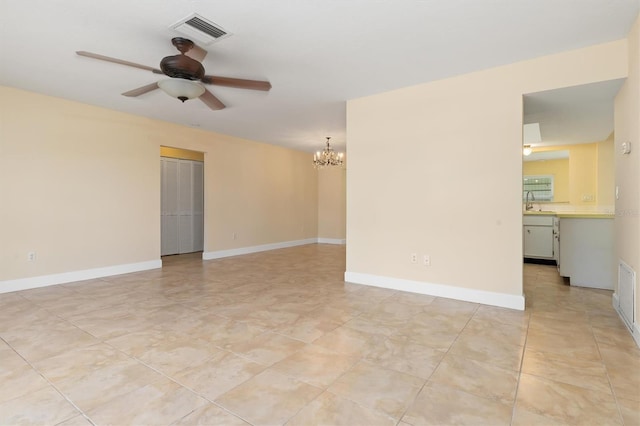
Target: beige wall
x,y
627,129
444,134
332,203
591,172
606,173
80,186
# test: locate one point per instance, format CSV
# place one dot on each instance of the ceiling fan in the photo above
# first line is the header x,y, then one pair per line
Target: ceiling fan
x,y
186,73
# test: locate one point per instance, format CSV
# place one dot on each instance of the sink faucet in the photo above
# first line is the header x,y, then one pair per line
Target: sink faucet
x,y
529,204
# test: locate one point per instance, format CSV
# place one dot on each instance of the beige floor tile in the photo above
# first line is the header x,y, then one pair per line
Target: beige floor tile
x,y
566,369
348,341
514,334
441,405
308,328
316,365
405,297
79,420
451,307
42,407
625,382
522,417
577,345
395,310
477,378
630,411
433,330
20,381
223,332
613,336
46,343
104,324
78,362
208,415
177,353
10,360
137,342
218,374
100,385
366,324
268,398
623,368
488,347
97,341
162,402
566,403
267,349
329,409
383,390
505,316
405,356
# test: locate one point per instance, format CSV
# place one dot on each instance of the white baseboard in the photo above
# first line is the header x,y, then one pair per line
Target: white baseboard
x,y
209,255
331,241
635,329
67,277
466,294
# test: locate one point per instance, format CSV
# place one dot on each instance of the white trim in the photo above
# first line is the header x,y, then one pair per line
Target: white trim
x,y
635,330
209,255
331,241
469,295
67,277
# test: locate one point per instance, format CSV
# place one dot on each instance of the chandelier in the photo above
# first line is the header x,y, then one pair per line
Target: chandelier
x,y
328,157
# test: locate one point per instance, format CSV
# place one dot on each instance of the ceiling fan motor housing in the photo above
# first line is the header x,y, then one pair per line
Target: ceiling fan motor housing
x,y
182,66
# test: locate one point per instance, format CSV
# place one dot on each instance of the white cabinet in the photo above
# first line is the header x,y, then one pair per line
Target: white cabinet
x,y
538,237
587,253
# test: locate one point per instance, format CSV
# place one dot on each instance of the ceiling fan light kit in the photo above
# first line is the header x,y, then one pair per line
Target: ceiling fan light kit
x,y
187,75
181,89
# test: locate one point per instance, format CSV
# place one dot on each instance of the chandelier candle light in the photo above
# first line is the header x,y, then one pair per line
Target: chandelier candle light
x,y
328,157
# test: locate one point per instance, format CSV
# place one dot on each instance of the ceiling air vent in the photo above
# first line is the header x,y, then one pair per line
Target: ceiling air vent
x,y
199,29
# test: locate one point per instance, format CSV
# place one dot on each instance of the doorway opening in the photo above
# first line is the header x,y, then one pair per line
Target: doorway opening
x,y
182,201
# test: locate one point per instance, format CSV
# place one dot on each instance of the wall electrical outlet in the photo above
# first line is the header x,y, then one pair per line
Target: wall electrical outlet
x,y
235,235
414,257
31,256
426,260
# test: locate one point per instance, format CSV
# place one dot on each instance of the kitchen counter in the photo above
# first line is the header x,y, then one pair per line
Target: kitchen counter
x,y
571,215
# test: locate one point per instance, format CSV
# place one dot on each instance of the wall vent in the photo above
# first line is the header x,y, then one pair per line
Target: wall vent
x,y
626,293
200,30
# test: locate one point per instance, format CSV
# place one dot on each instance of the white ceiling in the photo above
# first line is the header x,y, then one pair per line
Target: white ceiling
x,y
317,54
571,115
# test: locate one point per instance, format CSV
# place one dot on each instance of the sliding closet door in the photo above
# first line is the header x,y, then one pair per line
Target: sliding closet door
x,y
182,206
169,203
197,173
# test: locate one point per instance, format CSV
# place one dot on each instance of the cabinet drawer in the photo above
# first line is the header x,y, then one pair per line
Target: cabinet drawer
x,y
537,220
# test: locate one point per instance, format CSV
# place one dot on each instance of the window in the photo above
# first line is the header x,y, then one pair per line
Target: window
x,y
540,186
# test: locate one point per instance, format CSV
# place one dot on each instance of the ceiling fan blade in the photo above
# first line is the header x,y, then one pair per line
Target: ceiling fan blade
x,y
238,83
197,53
118,61
141,90
211,101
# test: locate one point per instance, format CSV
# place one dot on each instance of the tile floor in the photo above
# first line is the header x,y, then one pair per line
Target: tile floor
x,y
278,338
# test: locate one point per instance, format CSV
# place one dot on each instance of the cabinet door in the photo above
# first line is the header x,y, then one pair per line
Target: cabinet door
x,y
538,241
